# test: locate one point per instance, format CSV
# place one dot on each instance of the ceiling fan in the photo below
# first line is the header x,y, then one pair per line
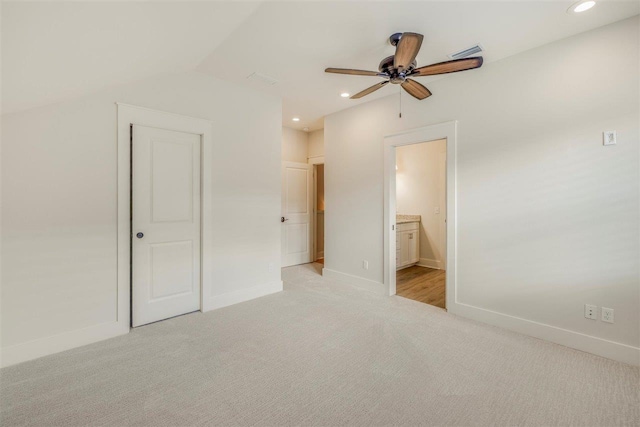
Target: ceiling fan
x,y
398,68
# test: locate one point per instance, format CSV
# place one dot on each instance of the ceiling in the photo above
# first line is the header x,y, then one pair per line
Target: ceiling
x,y
295,42
54,51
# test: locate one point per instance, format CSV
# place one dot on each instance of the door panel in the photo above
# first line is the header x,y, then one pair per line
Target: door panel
x,y
297,190
296,210
172,182
413,247
166,216
171,269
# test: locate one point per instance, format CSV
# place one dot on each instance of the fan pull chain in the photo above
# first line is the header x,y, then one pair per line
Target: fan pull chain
x,y
400,114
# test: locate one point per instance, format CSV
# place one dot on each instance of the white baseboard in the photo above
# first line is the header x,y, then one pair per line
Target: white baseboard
x,y
601,347
360,282
242,295
66,341
431,263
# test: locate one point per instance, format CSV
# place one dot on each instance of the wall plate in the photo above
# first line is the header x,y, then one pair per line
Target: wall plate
x,y
609,137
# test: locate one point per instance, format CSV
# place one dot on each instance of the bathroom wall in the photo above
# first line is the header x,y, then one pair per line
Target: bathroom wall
x,y
420,190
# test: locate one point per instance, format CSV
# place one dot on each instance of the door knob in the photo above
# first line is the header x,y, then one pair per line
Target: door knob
x,y
283,219
140,235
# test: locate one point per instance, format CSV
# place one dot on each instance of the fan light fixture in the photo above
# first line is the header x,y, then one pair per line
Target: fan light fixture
x,y
296,119
402,67
581,6
345,94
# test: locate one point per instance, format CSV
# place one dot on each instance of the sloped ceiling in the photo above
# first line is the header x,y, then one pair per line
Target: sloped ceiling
x,y
55,51
52,51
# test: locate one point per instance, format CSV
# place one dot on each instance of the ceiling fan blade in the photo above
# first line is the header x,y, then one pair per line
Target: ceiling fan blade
x,y
415,89
351,72
407,50
449,67
368,90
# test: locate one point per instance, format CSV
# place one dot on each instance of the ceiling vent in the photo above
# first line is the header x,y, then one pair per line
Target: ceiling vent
x,y
473,50
262,78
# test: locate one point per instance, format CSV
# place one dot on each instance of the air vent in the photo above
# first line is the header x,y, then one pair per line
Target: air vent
x,y
262,78
473,50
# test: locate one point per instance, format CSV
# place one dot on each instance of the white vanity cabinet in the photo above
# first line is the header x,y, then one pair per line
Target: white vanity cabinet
x,y
407,244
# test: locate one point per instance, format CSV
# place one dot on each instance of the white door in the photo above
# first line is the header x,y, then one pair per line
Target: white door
x,y
165,224
296,213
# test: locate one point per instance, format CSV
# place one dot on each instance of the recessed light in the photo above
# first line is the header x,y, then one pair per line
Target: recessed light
x,y
344,95
581,6
296,119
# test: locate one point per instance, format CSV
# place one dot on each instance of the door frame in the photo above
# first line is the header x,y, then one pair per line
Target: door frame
x,y
315,211
448,131
133,115
314,162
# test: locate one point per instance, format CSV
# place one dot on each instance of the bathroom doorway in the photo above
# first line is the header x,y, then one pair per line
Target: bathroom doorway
x,y
419,197
421,221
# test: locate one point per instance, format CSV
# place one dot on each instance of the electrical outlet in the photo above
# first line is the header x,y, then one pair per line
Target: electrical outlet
x,y
591,311
270,267
607,315
365,264
609,137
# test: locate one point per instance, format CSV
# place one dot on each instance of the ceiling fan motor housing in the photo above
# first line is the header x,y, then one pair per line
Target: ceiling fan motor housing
x,y
386,67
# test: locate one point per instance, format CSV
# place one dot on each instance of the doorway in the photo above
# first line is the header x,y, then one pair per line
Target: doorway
x,y
318,209
177,135
417,268
421,222
165,223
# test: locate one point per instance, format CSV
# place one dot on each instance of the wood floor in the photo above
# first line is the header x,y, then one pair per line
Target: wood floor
x,y
422,284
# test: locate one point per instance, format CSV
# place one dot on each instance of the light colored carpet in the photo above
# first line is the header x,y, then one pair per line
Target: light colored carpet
x,y
320,353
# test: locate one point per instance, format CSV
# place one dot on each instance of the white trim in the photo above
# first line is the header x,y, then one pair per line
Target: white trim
x,y
55,344
601,347
130,114
316,160
242,295
415,136
430,263
359,282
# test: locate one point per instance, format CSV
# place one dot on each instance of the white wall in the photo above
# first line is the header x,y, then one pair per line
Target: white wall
x,y
299,146
547,216
420,189
59,197
316,143
295,145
